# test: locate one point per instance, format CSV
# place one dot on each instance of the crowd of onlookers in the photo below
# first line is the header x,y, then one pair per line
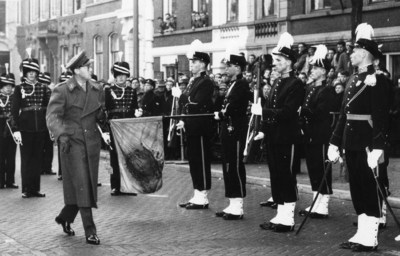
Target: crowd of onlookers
x,y
168,24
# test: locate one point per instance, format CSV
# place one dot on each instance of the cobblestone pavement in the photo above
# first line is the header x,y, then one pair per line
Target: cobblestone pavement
x,y
155,225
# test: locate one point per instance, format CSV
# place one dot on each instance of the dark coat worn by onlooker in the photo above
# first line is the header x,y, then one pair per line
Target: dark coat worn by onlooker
x,y
151,104
73,112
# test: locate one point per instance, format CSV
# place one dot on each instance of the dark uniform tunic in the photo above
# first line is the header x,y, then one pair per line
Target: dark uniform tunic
x,y
199,131
120,103
357,135
151,104
29,117
8,148
317,132
282,130
233,138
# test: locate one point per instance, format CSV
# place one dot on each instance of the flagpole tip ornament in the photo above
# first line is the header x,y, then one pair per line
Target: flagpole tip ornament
x,y
284,47
364,34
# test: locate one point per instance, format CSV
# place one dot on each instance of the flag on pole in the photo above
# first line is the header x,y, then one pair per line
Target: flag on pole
x,y
140,149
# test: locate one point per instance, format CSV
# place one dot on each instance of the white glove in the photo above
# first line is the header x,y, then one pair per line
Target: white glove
x,y
18,137
333,153
180,125
256,109
216,116
373,157
176,92
138,112
259,136
106,138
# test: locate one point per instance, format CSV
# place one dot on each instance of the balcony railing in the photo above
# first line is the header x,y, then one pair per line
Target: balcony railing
x,y
230,32
268,29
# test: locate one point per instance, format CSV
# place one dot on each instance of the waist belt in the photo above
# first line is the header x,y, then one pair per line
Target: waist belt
x,y
33,108
367,118
119,110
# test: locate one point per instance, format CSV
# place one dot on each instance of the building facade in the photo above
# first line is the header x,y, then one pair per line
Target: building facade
x,y
255,26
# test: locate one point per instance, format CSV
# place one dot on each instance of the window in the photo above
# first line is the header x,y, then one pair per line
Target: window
x,y
269,7
2,17
34,11
67,7
18,12
64,55
233,11
169,6
114,48
55,8
77,6
44,9
76,49
200,5
98,53
320,4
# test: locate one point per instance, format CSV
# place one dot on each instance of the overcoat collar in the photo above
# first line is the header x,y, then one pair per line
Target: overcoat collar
x,y
72,83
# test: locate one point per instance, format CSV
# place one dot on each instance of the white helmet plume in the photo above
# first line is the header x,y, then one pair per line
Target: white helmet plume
x,y
364,31
63,69
29,52
286,40
42,68
320,54
6,65
120,53
232,49
195,46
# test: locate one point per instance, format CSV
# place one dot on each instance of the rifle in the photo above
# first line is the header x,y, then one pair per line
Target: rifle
x,y
254,124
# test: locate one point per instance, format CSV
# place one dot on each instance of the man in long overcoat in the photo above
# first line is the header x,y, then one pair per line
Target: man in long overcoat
x,y
74,110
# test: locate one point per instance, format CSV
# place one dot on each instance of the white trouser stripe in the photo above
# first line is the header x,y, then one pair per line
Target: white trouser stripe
x,y
237,168
202,159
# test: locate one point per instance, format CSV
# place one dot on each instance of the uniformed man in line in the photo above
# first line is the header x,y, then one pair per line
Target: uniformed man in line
x,y
151,104
75,109
362,129
120,102
48,154
8,148
29,124
198,130
233,137
281,129
316,127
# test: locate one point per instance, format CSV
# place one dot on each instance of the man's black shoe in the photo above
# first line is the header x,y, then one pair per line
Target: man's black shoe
x,y
267,226
363,248
266,204
228,216
283,228
38,194
115,192
191,206
12,186
183,205
93,239
59,177
303,213
66,226
381,225
220,214
26,195
347,245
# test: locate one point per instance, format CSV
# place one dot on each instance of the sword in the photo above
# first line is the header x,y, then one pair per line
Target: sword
x,y
327,168
12,134
374,172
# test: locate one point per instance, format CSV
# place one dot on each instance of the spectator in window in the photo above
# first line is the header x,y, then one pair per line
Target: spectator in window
x,y
170,26
198,22
344,63
162,25
301,60
204,19
340,46
194,19
331,54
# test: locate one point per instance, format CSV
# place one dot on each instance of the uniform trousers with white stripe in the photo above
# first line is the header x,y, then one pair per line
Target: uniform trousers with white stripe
x,y
233,168
316,155
199,156
283,178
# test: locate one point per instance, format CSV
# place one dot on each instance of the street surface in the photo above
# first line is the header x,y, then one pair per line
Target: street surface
x,y
155,225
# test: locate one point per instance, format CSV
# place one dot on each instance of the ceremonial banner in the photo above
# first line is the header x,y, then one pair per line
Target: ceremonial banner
x,y
140,149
